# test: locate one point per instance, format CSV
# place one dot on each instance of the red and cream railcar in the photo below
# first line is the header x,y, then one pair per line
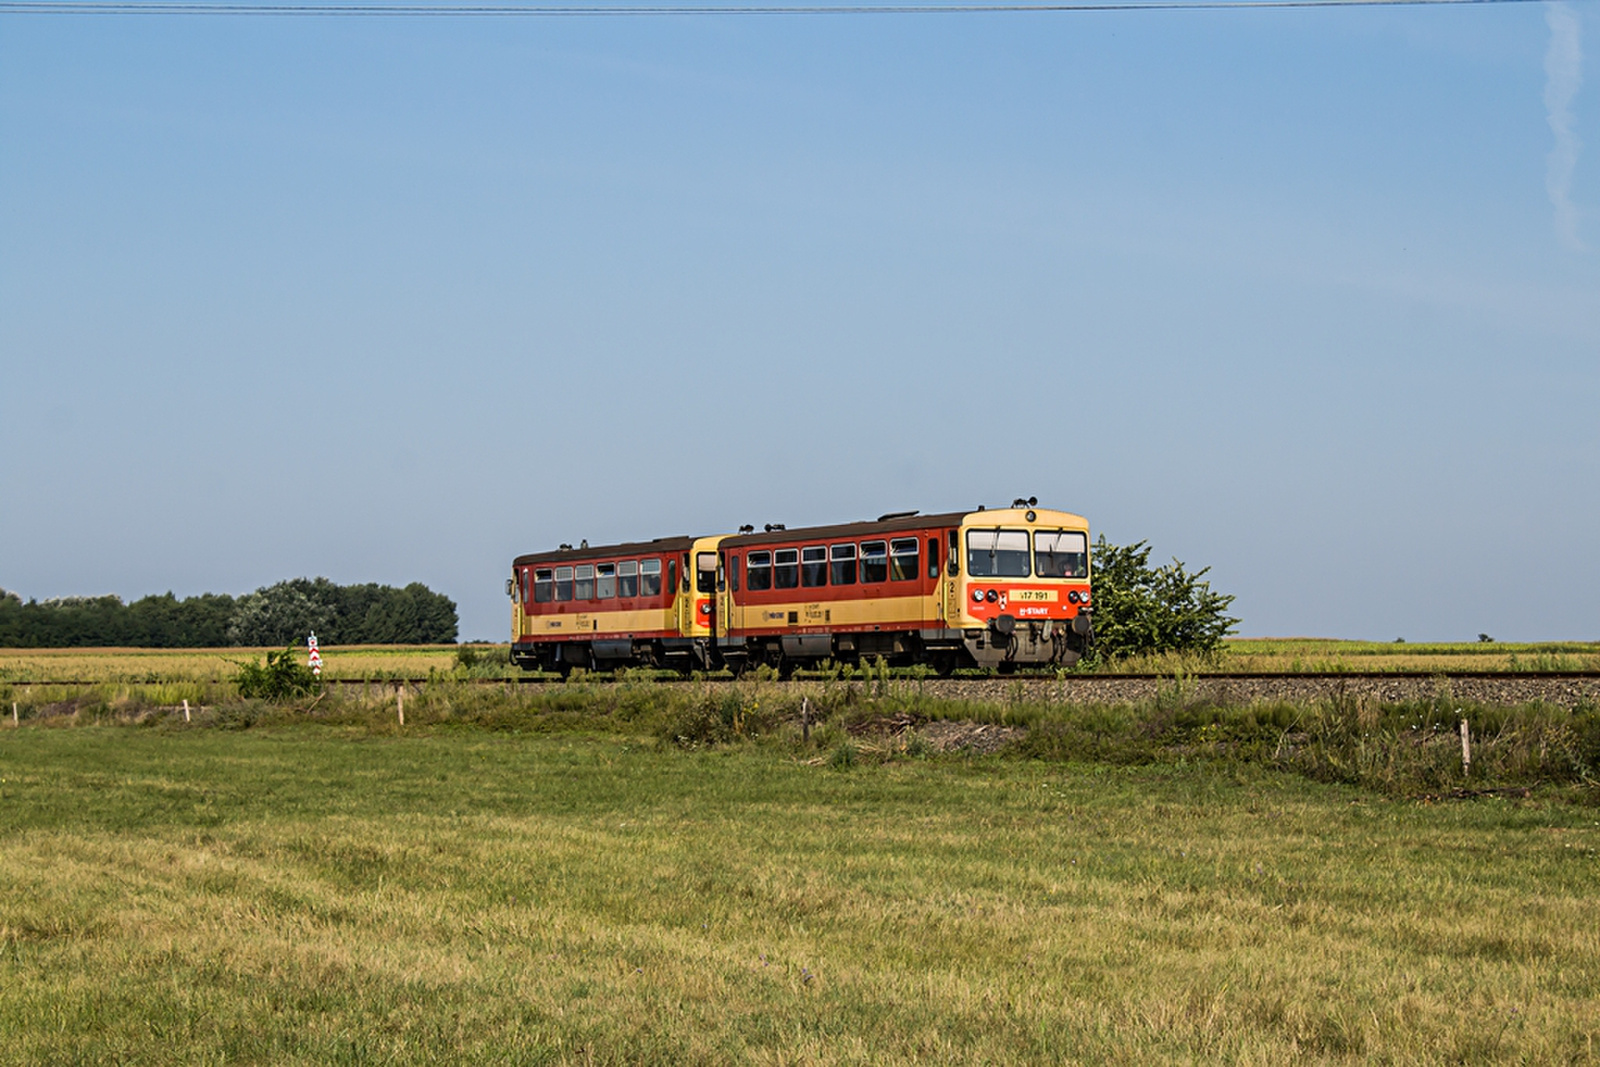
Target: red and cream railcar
x,y
997,588
614,605
1000,588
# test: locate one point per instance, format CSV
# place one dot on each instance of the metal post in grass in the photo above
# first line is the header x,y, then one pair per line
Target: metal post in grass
x,y
1466,749
400,702
805,719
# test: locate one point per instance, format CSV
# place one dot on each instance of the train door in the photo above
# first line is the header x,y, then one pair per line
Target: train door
x,y
723,613
953,606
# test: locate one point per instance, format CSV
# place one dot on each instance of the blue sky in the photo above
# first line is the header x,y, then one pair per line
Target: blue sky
x,y
1308,296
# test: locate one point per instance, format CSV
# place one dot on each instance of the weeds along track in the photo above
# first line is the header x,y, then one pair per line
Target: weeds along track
x,y
1568,689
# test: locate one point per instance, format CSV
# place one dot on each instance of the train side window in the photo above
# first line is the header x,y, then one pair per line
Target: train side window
x,y
605,581
544,586
874,562
672,576
954,554
628,578
814,565
786,568
733,572
933,557
583,587
650,577
685,572
760,571
903,553
705,566
844,564
563,583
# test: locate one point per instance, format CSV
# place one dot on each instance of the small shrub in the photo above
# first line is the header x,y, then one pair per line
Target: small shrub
x,y
843,757
283,677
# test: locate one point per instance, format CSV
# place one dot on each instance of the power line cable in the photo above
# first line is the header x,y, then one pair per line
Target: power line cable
x,y
192,7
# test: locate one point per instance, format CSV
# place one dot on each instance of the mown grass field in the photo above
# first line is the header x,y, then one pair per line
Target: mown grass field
x,y
322,893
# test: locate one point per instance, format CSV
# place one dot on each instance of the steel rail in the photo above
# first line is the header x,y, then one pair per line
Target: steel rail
x,y
1020,677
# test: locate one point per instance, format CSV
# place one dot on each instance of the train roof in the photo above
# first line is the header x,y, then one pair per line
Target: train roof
x,y
659,546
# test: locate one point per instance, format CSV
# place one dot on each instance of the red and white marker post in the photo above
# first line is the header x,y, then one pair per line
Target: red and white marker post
x,y
315,659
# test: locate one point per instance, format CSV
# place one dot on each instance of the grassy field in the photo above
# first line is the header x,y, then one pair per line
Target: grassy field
x,y
324,893
200,666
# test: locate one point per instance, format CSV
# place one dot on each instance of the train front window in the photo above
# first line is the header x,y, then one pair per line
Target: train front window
x,y
844,564
544,586
903,559
650,577
786,568
874,562
628,579
563,583
583,588
1061,554
760,564
814,565
705,566
997,553
605,581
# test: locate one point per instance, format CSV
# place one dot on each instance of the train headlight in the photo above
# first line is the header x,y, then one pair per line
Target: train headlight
x,y
992,596
977,596
1072,597
705,609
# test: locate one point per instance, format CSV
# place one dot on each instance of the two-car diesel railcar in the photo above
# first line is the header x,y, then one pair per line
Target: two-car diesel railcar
x,y
998,588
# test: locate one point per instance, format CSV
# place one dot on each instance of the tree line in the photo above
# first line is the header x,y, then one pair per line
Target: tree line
x,y
281,614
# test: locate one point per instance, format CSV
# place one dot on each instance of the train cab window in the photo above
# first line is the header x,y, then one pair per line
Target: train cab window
x,y
563,583
605,581
544,586
1061,554
672,576
786,568
955,551
760,571
933,557
650,577
903,559
997,553
844,564
628,578
705,566
583,587
733,572
874,562
814,565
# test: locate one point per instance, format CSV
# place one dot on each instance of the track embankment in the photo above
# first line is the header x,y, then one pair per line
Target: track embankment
x,y
1562,690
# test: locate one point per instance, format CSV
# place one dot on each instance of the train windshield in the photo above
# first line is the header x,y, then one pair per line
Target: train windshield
x,y
997,553
1061,554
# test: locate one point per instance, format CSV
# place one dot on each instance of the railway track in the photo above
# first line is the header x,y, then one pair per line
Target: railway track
x,y
894,676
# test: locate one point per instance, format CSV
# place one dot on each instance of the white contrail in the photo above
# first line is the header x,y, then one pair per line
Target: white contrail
x,y
1563,72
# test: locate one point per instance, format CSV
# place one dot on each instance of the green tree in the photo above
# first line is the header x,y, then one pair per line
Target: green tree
x,y
1140,609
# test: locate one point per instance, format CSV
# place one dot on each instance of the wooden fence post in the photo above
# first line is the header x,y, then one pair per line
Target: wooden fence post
x,y
805,719
400,702
185,710
1466,749
14,720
